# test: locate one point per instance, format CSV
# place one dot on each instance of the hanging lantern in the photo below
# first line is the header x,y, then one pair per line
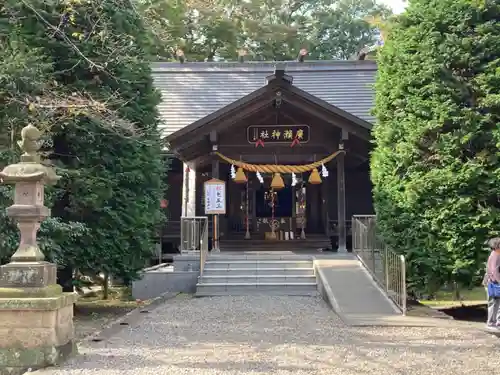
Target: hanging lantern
x,y
314,178
240,177
277,182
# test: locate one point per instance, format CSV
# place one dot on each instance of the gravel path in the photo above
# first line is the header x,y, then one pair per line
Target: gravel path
x,y
278,335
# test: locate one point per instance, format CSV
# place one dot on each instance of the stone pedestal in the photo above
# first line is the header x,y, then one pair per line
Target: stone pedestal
x,y
36,317
35,332
29,279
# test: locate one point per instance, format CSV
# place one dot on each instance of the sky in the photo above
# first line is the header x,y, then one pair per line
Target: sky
x,y
396,5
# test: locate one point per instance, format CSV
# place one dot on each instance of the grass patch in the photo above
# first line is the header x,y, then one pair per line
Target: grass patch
x,y
118,297
446,299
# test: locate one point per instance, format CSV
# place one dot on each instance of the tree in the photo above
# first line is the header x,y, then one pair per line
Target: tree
x,y
24,74
271,30
104,137
435,166
342,30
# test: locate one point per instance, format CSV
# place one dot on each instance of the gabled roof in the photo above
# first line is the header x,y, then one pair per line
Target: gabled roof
x,y
260,99
192,91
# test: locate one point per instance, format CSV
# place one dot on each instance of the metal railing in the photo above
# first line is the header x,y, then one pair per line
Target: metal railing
x,y
172,229
387,268
194,237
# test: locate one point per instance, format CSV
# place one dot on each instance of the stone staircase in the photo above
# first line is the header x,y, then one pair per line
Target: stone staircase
x,y
291,275
314,242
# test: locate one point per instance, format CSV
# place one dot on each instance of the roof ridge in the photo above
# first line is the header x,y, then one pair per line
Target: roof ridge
x,y
258,66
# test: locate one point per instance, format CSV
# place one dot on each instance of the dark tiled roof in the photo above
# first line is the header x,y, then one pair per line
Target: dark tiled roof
x,y
191,91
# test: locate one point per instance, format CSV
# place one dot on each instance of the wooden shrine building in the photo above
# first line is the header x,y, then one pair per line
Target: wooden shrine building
x,y
220,116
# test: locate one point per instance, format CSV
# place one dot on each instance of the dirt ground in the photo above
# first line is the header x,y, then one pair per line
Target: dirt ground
x,y
92,313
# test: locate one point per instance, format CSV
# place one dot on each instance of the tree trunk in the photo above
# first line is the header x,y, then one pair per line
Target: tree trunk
x,y
456,291
105,286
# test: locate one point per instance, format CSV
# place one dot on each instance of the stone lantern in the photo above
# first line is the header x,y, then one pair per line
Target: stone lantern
x,y
36,317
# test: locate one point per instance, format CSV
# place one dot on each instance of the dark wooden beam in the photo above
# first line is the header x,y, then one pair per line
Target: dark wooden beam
x,y
194,137
325,205
214,137
292,118
195,151
280,148
319,112
201,161
214,140
267,117
341,204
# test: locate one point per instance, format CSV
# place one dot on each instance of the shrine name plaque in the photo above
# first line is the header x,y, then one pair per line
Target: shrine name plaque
x,y
285,134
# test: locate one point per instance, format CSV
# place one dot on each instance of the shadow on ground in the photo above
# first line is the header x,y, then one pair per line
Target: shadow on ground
x,y
91,318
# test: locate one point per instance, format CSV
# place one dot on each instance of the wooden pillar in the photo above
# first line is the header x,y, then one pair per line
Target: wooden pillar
x,y
215,166
255,186
185,189
324,206
215,174
341,205
215,158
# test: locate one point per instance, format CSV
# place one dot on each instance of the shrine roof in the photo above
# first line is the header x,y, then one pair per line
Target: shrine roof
x,y
192,91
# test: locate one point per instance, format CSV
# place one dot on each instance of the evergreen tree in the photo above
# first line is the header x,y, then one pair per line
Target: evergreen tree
x,y
436,165
106,145
24,74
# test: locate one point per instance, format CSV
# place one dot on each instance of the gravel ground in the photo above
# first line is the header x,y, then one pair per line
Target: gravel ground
x,y
278,335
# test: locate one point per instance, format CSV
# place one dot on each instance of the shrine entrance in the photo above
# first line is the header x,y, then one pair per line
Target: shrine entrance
x,y
295,167
291,210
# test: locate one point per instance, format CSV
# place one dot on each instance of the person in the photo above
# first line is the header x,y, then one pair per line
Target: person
x,y
493,276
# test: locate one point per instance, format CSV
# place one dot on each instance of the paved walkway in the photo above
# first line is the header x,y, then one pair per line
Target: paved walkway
x,y
352,292
263,335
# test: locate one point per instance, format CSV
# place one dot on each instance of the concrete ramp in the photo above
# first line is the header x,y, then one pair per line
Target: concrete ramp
x,y
351,291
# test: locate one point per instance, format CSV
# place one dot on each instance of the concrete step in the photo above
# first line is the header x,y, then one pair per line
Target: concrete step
x,y
226,263
235,289
257,279
268,255
281,244
306,271
296,245
278,248
260,241
243,274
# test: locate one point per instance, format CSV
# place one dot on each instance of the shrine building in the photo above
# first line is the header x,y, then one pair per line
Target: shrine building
x,y
291,140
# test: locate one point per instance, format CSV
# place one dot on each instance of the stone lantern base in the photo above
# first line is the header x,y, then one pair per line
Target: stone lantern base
x,y
35,332
36,279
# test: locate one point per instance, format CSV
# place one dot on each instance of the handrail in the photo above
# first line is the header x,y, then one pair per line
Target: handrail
x,y
172,229
387,267
194,237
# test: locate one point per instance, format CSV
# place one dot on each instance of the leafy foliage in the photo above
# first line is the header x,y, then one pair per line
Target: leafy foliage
x,y
79,70
271,30
436,162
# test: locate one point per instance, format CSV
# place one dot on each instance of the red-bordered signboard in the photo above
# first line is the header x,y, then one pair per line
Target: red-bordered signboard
x,y
215,197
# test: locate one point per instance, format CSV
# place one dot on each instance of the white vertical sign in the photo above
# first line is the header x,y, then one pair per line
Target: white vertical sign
x,y
215,197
